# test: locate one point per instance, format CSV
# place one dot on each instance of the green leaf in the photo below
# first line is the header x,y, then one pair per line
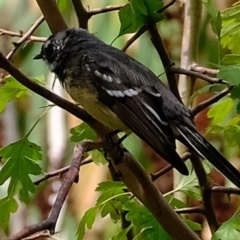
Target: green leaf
x,y
174,202
235,92
137,13
125,16
82,132
230,73
87,220
231,134
20,163
219,111
231,59
216,19
112,197
9,90
110,190
231,28
193,225
7,206
187,183
208,88
147,226
98,157
227,230
122,234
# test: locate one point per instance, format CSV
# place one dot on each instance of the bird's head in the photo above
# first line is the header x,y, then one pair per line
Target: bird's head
x,y
52,49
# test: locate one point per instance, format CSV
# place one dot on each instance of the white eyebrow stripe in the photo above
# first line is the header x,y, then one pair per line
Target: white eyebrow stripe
x,y
154,113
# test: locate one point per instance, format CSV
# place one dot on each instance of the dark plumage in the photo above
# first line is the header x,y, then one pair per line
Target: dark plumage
x,y
125,95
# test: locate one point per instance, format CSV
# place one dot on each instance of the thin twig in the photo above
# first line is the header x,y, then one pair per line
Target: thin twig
x,y
210,101
166,6
197,209
25,37
199,75
59,172
168,168
142,30
20,34
227,190
110,8
204,70
206,195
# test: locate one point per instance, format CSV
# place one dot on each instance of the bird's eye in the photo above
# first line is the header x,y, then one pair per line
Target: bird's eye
x,y
50,52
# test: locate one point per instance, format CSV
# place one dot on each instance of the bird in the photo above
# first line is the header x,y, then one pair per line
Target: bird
x,y
126,96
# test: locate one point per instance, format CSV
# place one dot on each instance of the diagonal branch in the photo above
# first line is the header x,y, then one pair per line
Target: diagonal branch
x,y
70,178
210,101
142,30
164,56
25,37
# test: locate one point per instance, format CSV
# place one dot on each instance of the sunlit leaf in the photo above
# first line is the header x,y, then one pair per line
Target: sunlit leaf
x,y
230,73
82,132
9,90
219,111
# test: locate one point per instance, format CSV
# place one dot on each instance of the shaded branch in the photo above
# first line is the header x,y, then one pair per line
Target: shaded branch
x,y
227,190
82,14
210,101
52,15
25,37
168,168
166,61
166,6
206,195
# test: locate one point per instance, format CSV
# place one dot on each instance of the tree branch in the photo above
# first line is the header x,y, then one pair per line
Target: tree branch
x,y
25,37
199,75
168,168
166,61
210,101
59,172
206,196
227,190
197,209
82,14
20,34
204,70
110,8
142,30
52,15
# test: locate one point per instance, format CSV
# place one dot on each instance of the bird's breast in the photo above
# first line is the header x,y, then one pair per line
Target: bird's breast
x,y
84,93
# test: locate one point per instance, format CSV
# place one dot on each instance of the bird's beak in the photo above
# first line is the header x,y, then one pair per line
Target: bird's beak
x,y
39,56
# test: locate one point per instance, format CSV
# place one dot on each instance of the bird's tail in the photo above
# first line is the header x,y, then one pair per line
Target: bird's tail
x,y
205,150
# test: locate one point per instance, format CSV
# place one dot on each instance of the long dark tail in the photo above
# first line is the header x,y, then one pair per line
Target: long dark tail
x,y
204,149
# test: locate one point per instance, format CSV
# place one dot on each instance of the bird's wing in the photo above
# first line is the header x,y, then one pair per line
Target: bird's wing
x,y
136,102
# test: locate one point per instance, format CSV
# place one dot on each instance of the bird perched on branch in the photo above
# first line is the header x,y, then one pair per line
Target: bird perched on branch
x,y
124,95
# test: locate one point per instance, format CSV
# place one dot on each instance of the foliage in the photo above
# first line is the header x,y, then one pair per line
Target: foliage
x,y
20,158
